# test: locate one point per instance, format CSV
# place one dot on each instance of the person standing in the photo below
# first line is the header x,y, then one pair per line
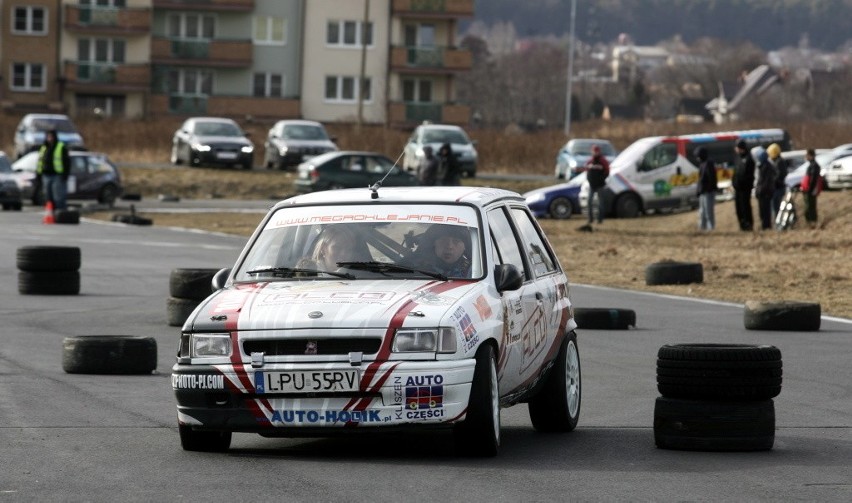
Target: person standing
x,y
764,189
707,188
743,183
780,165
597,171
448,166
811,187
54,165
427,171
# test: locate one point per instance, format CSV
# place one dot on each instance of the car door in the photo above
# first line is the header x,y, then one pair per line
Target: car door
x,y
664,178
79,179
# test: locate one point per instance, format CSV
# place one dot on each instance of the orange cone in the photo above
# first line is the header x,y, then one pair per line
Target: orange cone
x,y
48,214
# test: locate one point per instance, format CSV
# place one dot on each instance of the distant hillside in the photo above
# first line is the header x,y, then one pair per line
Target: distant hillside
x,y
769,24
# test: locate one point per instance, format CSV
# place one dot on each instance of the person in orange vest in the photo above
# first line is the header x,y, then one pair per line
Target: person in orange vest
x,y
54,165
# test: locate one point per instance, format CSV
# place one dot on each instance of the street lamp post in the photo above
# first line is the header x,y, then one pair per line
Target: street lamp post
x,y
570,70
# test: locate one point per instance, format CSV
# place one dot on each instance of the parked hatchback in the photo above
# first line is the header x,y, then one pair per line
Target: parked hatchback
x,y
348,169
212,141
435,135
340,317
93,176
289,142
557,201
576,152
29,135
10,191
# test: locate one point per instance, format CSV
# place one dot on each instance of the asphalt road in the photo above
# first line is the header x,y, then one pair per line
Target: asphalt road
x,y
66,437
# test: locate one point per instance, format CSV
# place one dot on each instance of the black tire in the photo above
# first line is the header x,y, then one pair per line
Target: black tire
x,y
109,193
601,318
714,426
726,372
628,206
49,283
479,434
561,208
674,273
66,217
109,354
195,284
789,316
48,258
556,407
131,197
204,441
178,310
132,220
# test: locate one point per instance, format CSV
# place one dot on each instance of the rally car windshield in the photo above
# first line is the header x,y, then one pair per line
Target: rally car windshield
x,y
366,242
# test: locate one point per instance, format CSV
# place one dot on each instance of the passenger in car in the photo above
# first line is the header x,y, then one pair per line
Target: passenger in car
x,y
445,250
339,243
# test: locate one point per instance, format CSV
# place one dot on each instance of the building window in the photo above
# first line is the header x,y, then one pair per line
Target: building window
x,y
349,34
100,106
420,35
269,85
270,30
417,91
101,50
28,77
194,26
191,82
29,21
343,89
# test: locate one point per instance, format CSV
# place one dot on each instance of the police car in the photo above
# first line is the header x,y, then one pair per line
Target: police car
x,y
441,308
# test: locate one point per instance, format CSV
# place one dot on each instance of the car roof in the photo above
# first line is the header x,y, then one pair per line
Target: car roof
x,y
46,116
288,122
439,126
477,196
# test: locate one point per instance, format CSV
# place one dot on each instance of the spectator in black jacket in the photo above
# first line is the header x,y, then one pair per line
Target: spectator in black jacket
x,y
707,188
764,189
743,183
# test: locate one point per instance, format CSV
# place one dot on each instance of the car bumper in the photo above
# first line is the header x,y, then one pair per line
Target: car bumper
x,y
468,168
391,394
839,180
213,157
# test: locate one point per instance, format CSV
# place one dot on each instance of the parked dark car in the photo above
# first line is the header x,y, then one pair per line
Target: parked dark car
x,y
289,142
212,141
93,176
557,201
349,169
10,192
29,135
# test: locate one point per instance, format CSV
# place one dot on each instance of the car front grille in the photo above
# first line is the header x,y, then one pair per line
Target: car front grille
x,y
308,346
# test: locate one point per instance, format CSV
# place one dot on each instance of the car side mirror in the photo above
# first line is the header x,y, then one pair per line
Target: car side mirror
x,y
219,279
507,277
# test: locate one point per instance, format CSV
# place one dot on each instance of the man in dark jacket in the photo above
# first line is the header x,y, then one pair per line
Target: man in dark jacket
x,y
597,171
764,189
427,171
707,188
811,187
448,166
743,183
54,166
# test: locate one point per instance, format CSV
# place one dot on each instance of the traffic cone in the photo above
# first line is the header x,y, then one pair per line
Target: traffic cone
x,y
48,214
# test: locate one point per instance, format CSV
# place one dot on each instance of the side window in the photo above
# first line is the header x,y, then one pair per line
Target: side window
x,y
376,165
504,239
78,166
537,251
659,156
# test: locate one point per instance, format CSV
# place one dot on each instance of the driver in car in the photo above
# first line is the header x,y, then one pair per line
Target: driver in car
x,y
446,250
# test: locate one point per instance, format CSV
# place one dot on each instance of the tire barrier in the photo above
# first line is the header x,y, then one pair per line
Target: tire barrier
x,y
674,273
601,318
66,217
48,270
785,315
132,220
187,288
716,397
109,354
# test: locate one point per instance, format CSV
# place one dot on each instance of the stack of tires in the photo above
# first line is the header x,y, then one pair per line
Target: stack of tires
x,y
48,270
187,288
717,397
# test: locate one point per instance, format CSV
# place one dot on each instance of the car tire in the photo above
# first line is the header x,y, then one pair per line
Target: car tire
x,y
195,284
66,217
628,206
108,195
204,441
109,354
714,426
784,316
49,283
48,258
556,406
726,372
179,309
479,434
601,318
561,208
674,273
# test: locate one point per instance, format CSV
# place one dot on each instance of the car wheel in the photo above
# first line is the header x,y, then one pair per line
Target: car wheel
x,y
556,407
108,195
561,208
175,158
627,206
109,354
479,434
203,441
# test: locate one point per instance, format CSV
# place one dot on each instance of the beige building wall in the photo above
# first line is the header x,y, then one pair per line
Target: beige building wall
x,y
322,60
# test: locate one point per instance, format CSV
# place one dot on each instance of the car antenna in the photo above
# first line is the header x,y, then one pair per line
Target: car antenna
x,y
375,187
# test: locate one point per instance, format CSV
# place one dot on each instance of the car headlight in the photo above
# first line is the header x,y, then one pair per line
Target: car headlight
x,y
534,198
573,163
210,345
247,149
419,340
200,147
282,150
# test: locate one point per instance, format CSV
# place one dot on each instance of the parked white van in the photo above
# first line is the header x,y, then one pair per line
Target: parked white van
x,y
661,172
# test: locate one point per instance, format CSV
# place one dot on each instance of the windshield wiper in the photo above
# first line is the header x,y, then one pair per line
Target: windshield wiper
x,y
285,272
385,267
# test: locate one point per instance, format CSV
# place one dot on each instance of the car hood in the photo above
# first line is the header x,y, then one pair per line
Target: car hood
x,y
575,183
223,139
306,143
458,148
294,305
72,139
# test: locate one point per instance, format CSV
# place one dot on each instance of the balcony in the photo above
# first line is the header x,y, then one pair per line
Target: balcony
x,y
207,53
430,59
106,77
206,5
406,114
107,20
226,106
433,8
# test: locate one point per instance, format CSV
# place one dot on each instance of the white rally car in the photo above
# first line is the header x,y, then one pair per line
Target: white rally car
x,y
395,328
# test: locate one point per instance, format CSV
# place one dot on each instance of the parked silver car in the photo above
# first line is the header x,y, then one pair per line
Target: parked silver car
x,y
290,142
29,135
435,135
576,152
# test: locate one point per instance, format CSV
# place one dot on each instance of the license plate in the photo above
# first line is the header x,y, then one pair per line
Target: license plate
x,y
226,155
306,381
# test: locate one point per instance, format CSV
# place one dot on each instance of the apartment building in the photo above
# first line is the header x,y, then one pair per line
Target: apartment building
x,y
376,61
